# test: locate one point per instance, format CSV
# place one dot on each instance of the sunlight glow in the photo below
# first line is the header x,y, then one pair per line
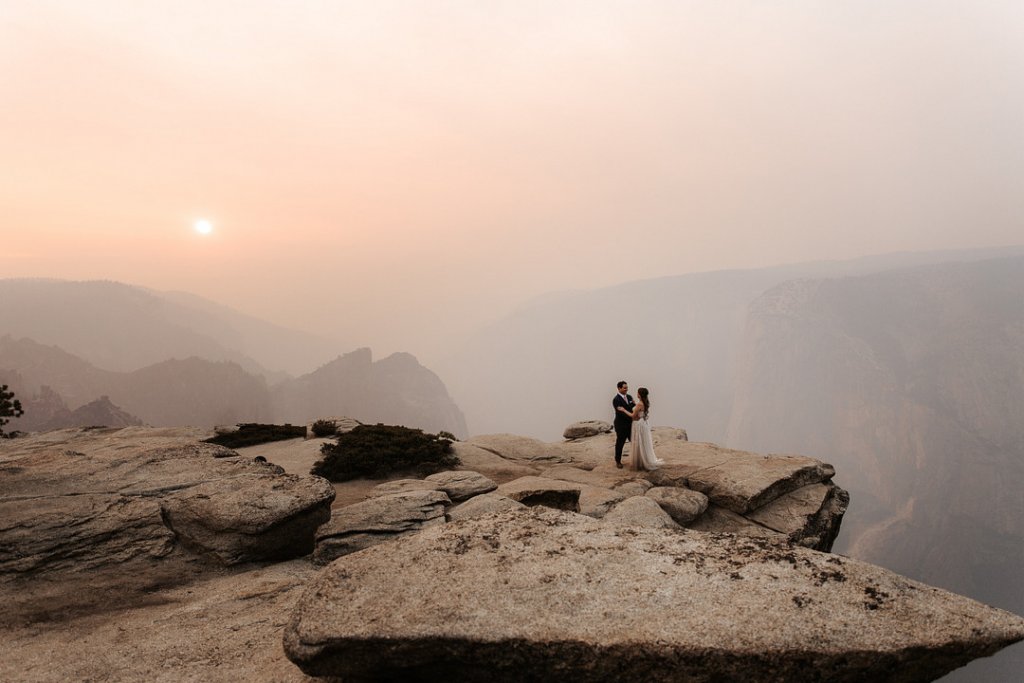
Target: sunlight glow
x,y
203,226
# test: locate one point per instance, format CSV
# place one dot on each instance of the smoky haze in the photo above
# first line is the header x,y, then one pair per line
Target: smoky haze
x,y
537,200
394,174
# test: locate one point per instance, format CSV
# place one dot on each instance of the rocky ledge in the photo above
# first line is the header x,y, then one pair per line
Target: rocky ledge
x,y
130,504
532,561
548,595
701,486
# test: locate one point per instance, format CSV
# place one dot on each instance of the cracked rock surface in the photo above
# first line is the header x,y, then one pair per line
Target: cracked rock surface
x,y
546,595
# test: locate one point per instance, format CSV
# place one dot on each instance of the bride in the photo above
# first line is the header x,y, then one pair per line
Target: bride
x,y
640,439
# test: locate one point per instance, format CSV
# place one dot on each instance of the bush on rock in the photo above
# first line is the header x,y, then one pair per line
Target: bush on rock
x,y
376,451
252,434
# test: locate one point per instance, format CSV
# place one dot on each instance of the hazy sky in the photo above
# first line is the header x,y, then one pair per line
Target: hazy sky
x,y
378,169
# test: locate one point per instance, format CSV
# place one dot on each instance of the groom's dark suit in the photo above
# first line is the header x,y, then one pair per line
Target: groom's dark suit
x,y
623,423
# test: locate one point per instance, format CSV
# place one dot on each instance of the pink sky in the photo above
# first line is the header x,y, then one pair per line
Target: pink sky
x,y
371,168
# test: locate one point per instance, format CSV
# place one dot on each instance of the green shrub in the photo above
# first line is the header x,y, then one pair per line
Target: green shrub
x,y
376,451
252,434
322,428
447,435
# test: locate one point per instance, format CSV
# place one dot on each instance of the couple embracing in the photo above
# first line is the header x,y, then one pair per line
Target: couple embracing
x,y
631,425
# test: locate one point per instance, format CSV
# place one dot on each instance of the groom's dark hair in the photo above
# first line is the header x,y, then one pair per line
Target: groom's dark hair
x,y
621,384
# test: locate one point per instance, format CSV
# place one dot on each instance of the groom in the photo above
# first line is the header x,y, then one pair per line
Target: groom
x,y
623,420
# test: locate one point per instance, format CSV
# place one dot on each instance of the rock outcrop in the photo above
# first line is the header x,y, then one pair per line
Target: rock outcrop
x,y
95,499
579,430
545,595
378,519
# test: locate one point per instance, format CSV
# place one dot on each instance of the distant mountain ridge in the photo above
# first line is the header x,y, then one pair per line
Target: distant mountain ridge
x,y
122,327
53,384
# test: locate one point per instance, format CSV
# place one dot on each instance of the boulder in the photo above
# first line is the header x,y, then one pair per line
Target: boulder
x,y
545,595
635,487
520,448
76,533
640,512
748,481
479,506
810,516
596,501
461,484
376,520
102,499
551,493
402,486
581,430
491,464
682,505
250,518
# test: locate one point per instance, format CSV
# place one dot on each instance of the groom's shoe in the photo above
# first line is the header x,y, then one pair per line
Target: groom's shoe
x,y
618,463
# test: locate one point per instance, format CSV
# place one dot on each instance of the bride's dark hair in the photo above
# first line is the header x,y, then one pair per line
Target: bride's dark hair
x,y
643,394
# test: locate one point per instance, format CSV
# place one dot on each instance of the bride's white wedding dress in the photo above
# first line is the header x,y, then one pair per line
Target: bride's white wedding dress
x,y
642,444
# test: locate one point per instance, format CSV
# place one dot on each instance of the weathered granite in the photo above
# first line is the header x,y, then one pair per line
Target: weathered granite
x,y
636,487
585,428
551,596
485,504
748,481
490,463
462,484
640,512
810,516
605,477
250,517
551,493
520,448
76,499
403,485
722,520
596,501
376,520
682,505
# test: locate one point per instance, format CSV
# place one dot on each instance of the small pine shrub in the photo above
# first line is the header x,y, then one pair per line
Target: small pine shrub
x,y
323,428
447,435
377,451
253,434
9,407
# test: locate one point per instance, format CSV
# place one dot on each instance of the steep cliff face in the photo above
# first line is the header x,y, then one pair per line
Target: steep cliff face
x,y
912,383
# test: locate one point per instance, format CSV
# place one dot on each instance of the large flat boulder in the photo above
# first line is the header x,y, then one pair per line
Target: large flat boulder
x,y
596,502
551,596
640,512
382,518
462,484
551,493
80,532
810,516
250,518
520,448
480,506
402,486
490,463
682,505
76,499
585,428
747,481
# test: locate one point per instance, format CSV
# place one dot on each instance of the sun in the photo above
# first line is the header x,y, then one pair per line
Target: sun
x,y
203,226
